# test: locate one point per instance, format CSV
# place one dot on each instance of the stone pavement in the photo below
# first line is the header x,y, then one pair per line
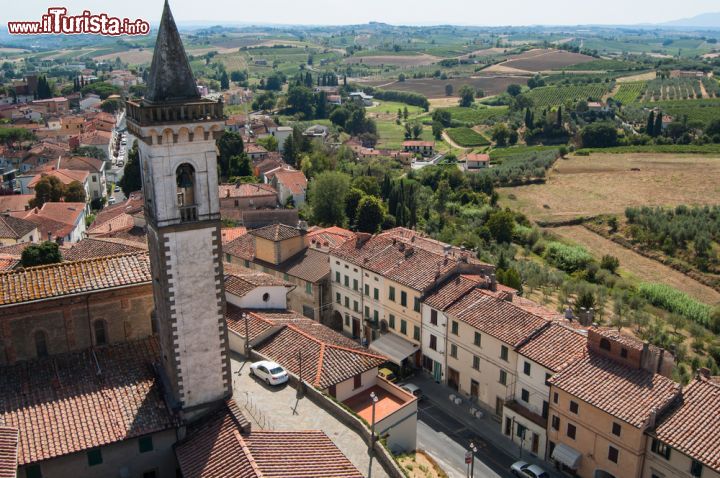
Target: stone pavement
x,y
487,428
277,408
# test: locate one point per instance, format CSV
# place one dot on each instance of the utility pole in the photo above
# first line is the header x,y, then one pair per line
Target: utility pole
x,y
371,446
473,450
247,337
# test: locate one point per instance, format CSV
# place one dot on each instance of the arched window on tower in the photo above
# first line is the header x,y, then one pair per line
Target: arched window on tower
x,y
100,332
604,344
41,343
185,181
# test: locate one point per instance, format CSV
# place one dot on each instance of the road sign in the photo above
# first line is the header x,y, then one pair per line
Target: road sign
x,y
468,457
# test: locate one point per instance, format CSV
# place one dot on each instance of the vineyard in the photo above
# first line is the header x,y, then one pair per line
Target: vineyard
x,y
675,301
559,95
467,137
698,110
520,165
629,92
673,89
476,115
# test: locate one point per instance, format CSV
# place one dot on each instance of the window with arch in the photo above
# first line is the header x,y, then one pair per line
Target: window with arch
x,y
100,331
41,348
185,181
605,344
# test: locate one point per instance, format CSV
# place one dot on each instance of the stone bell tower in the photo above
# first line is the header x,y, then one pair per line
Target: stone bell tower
x,y
176,131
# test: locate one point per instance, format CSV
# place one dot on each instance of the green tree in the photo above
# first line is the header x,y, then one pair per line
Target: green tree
x,y
510,278
514,90
265,101
229,144
417,129
467,96
300,100
11,136
41,254
132,178
352,200
501,225
650,127
437,130
501,134
657,129
270,143
327,194
111,106
370,214
599,135
609,263
48,189
240,165
75,192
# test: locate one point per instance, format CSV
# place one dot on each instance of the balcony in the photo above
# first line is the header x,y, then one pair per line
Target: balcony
x,y
188,213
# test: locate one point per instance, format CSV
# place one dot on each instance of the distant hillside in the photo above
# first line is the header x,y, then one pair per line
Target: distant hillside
x,y
705,20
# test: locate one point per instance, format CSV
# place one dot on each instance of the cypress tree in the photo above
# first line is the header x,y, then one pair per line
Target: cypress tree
x,y
559,117
657,130
650,124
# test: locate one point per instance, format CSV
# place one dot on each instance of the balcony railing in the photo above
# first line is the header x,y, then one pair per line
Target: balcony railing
x,y
188,213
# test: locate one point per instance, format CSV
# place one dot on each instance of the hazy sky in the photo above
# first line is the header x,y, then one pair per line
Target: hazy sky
x,y
405,12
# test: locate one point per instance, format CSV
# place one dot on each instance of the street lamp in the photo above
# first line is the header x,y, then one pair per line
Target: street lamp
x,y
473,449
374,400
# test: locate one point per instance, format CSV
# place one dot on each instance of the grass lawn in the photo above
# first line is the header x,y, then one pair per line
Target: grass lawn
x,y
392,135
391,108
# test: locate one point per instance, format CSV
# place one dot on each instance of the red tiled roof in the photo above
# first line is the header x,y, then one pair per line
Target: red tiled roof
x,y
242,247
96,138
15,202
419,143
231,233
330,236
692,427
66,176
555,346
15,228
90,248
221,447
451,291
61,404
254,148
496,317
294,181
328,357
246,190
480,157
7,262
8,452
14,250
241,280
629,394
117,217
276,232
66,278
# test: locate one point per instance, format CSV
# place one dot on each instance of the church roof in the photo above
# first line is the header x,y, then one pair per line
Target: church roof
x,y
171,78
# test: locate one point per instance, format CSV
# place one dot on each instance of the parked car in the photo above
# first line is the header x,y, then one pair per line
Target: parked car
x,y
413,390
111,200
387,374
269,372
120,163
117,189
526,470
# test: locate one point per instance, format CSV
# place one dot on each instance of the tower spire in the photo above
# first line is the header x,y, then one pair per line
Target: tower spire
x,y
171,77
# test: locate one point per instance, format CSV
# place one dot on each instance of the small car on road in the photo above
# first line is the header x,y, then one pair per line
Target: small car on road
x,y
387,374
269,372
413,390
526,470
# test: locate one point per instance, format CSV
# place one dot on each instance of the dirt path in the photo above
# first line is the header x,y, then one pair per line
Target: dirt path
x,y
452,143
640,266
703,90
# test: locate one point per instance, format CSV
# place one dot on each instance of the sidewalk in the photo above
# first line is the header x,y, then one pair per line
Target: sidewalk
x,y
486,428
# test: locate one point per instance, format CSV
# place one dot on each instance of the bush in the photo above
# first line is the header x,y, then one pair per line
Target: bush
x,y
610,263
567,258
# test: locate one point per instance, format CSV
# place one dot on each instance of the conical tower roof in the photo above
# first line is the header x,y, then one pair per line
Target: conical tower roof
x,y
171,77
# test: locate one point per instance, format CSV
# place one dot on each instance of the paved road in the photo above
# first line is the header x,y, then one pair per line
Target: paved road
x,y
446,440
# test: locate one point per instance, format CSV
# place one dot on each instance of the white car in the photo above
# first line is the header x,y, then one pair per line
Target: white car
x,y
111,200
525,470
413,390
269,372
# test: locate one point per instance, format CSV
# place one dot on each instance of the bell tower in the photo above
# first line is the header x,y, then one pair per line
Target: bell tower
x,y
176,131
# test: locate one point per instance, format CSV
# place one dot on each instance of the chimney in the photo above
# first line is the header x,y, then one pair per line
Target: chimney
x,y
569,315
704,372
493,282
49,236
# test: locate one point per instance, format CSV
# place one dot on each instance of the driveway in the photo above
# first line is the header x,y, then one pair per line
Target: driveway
x,y
277,408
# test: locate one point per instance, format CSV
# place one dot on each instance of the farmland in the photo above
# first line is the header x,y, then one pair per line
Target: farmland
x,y
697,110
543,60
467,137
558,95
606,183
478,114
435,88
396,60
673,89
629,92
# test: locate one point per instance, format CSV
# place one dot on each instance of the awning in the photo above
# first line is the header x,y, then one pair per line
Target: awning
x,y
393,347
566,455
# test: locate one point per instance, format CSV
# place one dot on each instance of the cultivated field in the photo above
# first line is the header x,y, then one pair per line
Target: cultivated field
x,y
558,95
608,183
137,56
434,88
408,61
542,60
643,268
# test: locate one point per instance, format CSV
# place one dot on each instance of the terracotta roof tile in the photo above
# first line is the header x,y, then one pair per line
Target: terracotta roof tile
x,y
15,228
220,447
8,263
692,426
66,176
66,278
329,236
61,405
496,317
294,181
246,190
232,233
328,357
276,232
629,394
242,247
240,280
555,346
451,291
90,248
8,452
15,202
